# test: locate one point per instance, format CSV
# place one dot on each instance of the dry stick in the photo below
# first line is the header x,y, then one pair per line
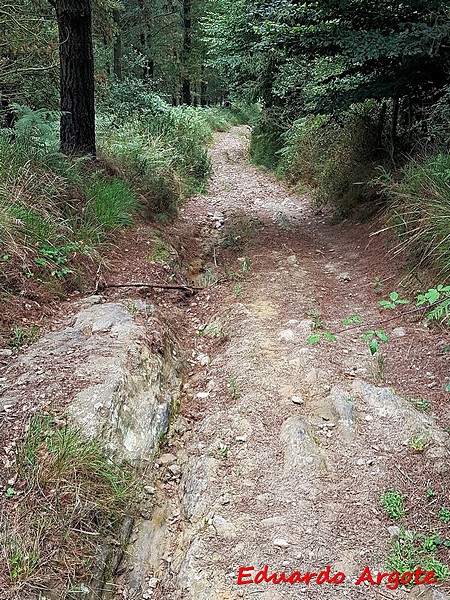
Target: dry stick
x,y
163,286
407,312
153,285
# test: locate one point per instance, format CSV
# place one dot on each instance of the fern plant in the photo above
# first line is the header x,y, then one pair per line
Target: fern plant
x,y
40,124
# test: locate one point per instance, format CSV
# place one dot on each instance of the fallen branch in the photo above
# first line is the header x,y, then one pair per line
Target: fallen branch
x,y
163,286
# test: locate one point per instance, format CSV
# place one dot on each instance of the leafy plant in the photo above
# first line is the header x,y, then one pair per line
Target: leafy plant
x,y
413,550
393,503
393,302
233,387
444,515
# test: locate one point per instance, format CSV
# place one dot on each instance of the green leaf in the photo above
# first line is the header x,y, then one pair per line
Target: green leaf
x,y
386,304
373,346
382,336
368,334
314,339
447,387
393,296
10,492
402,301
329,336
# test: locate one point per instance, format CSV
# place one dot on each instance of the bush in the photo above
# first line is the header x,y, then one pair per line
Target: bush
x,y
337,159
420,209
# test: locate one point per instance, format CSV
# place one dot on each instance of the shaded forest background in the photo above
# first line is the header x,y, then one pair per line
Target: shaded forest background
x,y
348,100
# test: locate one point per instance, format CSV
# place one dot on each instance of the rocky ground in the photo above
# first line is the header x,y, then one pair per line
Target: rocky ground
x,y
281,450
284,449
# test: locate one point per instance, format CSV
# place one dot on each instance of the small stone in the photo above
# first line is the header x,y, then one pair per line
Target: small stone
x,y
368,418
360,462
297,400
287,335
167,459
153,582
344,277
175,469
280,543
292,260
399,332
203,359
149,489
5,352
394,531
241,438
203,395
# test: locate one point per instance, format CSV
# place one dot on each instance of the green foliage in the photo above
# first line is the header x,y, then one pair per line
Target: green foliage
x,y
75,497
393,302
444,515
419,208
393,503
110,204
413,550
336,159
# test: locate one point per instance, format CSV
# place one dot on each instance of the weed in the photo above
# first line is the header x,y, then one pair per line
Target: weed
x,y
160,253
212,330
393,503
233,387
422,405
431,494
418,443
72,496
444,515
22,337
377,284
238,289
317,322
413,550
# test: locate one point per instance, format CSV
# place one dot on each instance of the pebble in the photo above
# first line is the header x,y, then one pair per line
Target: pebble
x,y
175,469
203,395
167,459
394,531
287,335
297,400
399,332
280,543
344,277
149,489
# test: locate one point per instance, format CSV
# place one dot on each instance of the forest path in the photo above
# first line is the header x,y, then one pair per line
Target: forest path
x,y
284,448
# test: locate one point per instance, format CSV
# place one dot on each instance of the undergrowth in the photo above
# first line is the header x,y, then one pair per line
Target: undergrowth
x,y
66,500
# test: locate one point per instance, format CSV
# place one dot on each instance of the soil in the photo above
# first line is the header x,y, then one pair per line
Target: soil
x,y
274,268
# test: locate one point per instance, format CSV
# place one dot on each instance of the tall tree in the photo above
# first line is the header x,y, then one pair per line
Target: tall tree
x,y
187,42
77,76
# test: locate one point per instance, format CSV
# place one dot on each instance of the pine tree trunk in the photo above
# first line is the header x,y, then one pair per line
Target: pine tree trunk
x,y
77,77
187,41
117,50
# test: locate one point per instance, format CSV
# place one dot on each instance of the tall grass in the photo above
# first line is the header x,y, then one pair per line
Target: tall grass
x,y
419,206
69,500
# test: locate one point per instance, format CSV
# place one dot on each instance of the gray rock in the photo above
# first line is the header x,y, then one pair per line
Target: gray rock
x,y
399,332
301,453
394,531
344,277
280,543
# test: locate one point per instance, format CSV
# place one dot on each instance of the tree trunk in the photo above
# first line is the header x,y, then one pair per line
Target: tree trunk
x,y
117,47
77,77
395,108
187,41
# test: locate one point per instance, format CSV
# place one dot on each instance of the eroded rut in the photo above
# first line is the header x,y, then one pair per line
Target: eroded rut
x,y
282,449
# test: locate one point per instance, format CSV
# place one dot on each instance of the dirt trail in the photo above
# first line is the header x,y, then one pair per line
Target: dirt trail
x,y
284,447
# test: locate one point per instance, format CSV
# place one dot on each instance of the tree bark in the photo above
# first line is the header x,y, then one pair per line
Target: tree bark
x,y
117,50
187,42
77,77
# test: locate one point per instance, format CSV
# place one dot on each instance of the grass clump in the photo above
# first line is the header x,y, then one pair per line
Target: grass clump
x,y
68,499
393,503
419,208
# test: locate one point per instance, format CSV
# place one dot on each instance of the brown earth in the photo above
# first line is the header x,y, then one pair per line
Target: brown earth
x,y
258,467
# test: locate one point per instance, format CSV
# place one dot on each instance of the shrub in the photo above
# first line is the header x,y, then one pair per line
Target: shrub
x,y
336,158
